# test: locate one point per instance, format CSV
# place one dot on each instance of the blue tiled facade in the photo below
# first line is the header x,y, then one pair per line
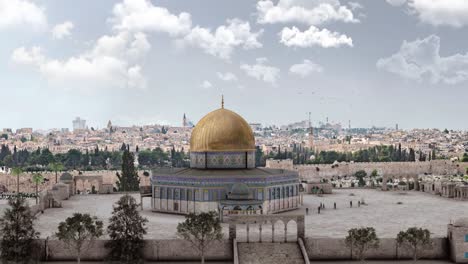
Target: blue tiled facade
x,y
222,160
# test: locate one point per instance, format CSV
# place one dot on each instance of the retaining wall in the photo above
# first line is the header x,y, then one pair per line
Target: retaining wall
x,y
318,171
181,250
336,249
154,250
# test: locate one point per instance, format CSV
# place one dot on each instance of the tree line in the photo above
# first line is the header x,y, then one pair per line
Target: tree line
x,y
41,159
382,153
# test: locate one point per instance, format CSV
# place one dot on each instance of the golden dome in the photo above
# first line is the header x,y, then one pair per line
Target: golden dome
x,y
222,130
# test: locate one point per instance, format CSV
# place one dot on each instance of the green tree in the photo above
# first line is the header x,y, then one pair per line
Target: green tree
x,y
360,175
128,180
415,239
360,240
201,230
412,155
126,229
17,232
17,172
465,157
37,178
56,167
78,232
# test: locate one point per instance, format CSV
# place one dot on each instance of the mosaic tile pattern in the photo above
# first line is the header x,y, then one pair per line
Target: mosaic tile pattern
x,y
222,160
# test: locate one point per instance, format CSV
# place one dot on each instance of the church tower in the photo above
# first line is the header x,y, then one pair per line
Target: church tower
x,y
184,121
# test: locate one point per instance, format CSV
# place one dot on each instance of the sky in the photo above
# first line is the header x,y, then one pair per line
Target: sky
x,y
136,62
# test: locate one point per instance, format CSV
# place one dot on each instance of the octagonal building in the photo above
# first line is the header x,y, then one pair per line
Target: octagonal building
x,y
222,176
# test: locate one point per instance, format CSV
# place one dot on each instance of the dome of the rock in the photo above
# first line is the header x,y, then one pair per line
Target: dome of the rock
x,y
222,130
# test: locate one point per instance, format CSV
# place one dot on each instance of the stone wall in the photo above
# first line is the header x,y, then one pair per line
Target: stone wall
x,y
458,236
404,169
270,253
154,250
108,177
333,249
181,250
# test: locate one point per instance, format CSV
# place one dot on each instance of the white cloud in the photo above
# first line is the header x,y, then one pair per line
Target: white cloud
x,y
441,12
293,37
224,39
206,85
15,13
25,57
262,72
305,68
437,12
111,63
62,30
420,59
355,5
228,76
309,12
124,45
142,15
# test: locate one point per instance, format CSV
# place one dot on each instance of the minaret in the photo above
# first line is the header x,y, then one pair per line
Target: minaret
x,y
222,101
311,134
184,121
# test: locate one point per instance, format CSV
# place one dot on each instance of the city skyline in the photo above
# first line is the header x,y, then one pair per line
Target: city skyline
x,y
145,62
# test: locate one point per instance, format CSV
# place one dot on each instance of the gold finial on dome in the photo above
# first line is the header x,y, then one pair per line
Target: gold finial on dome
x,y
222,101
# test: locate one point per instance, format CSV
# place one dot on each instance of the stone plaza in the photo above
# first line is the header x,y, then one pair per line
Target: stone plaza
x,y
381,211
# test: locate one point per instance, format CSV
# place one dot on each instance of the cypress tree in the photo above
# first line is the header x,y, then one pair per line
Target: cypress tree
x,y
128,180
17,232
126,229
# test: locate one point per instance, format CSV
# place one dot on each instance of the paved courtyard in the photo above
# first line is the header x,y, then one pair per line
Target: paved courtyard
x,y
381,212
160,226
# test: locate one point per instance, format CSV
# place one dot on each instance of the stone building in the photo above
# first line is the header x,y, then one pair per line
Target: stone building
x,y
457,234
461,191
317,187
222,176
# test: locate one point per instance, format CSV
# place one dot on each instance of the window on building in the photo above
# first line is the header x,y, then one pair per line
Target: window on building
x,y
466,254
176,194
156,192
206,195
163,193
170,194
466,238
182,194
189,195
260,194
197,195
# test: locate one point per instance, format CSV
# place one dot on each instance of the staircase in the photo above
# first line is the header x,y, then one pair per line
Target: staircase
x,y
269,253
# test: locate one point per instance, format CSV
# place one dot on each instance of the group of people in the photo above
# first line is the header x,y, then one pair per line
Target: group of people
x,y
322,206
